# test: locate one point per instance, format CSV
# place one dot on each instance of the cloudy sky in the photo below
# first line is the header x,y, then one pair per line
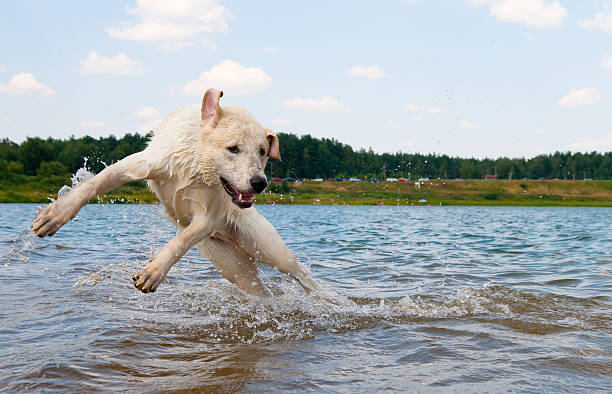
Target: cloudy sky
x,y
462,77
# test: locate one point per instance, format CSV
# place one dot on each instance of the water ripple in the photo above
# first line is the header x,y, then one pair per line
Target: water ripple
x,y
489,299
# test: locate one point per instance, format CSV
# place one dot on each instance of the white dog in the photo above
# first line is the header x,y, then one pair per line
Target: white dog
x,y
205,165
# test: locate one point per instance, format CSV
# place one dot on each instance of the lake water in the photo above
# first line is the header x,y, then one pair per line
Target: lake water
x,y
445,299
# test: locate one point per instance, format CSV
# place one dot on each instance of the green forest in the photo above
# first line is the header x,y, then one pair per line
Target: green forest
x,y
304,157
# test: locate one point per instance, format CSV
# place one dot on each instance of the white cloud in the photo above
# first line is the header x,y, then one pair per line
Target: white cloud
x,y
281,122
121,64
528,36
390,123
2,69
370,72
147,112
413,108
417,109
270,50
209,44
606,62
172,21
231,77
537,130
580,97
324,104
24,83
601,21
534,13
466,124
91,124
593,144
417,117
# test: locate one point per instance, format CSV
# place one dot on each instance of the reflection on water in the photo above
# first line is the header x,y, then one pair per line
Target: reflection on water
x,y
458,298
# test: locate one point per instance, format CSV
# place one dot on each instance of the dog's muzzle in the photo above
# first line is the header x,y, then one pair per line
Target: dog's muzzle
x,y
243,200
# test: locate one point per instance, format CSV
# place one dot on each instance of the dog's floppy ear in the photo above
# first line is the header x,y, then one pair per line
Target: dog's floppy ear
x,y
274,151
211,111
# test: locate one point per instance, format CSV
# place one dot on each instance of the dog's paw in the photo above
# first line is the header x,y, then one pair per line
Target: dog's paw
x,y
52,218
148,279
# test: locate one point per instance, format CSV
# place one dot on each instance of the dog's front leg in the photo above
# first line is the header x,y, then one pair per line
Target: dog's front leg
x,y
64,209
148,278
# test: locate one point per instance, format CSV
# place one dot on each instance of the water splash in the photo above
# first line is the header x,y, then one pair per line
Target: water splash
x,y
220,313
21,247
83,174
63,190
23,244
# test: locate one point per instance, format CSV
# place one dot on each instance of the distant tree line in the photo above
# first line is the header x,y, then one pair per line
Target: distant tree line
x,y
310,157
37,156
306,157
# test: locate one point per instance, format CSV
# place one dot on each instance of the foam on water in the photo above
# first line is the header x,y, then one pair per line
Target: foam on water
x,y
218,311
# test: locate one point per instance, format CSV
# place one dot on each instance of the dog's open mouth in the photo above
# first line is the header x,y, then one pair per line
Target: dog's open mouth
x,y
239,198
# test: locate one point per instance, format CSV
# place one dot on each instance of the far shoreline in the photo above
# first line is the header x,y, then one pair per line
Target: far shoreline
x,y
439,192
444,204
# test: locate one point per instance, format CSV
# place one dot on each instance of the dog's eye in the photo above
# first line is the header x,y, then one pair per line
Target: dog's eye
x,y
234,149
262,151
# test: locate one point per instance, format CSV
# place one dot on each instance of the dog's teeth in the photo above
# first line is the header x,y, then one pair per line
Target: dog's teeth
x,y
240,196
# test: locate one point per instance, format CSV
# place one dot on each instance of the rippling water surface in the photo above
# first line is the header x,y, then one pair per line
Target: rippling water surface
x,y
443,299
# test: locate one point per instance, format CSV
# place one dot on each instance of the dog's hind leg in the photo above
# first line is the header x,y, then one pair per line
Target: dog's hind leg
x,y
64,209
261,241
235,265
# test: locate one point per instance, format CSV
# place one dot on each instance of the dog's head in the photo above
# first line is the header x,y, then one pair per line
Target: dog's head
x,y
234,150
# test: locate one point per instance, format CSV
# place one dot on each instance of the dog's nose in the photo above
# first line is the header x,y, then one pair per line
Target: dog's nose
x,y
258,183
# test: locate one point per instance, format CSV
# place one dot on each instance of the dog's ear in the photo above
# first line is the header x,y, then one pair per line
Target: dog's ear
x,y
211,111
274,151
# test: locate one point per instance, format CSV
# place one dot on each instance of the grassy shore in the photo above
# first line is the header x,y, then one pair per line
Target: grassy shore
x,y
434,192
448,192
37,189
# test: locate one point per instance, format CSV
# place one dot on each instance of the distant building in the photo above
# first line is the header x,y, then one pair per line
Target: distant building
x,y
490,177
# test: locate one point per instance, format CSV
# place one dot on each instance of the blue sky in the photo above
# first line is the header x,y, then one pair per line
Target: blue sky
x,y
461,77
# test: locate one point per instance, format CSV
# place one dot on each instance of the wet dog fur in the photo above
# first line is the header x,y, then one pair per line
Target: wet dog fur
x,y
205,164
